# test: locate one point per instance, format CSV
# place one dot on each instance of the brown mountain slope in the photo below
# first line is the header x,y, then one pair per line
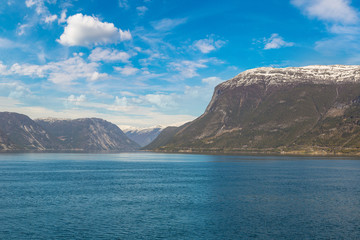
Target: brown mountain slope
x,y
309,110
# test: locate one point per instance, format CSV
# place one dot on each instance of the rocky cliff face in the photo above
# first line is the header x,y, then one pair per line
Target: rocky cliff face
x,y
88,135
5,143
19,133
312,109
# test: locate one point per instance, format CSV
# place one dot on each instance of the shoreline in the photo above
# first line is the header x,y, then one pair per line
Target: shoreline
x,y
201,152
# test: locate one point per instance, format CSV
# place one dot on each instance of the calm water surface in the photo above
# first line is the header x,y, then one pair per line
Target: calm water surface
x,y
161,196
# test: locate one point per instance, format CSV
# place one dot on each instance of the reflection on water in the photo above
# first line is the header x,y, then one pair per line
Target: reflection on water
x,y
143,195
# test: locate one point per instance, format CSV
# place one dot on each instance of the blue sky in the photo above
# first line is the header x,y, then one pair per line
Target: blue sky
x,y
142,63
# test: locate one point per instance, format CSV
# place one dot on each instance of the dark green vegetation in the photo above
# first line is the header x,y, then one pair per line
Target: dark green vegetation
x,y
19,133
295,117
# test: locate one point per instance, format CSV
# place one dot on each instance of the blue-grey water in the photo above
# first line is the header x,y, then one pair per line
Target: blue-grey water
x,y
162,196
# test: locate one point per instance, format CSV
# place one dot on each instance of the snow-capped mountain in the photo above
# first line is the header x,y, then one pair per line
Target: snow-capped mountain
x,y
143,136
296,110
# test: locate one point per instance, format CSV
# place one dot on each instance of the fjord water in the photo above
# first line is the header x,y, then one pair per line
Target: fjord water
x,y
162,196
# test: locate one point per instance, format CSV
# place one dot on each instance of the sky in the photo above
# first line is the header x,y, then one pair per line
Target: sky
x,y
142,63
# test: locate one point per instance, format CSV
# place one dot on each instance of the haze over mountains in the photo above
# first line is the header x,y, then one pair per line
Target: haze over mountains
x,y
306,110
143,136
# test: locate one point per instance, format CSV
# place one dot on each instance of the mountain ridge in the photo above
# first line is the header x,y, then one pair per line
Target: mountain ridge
x,y
19,133
143,136
307,110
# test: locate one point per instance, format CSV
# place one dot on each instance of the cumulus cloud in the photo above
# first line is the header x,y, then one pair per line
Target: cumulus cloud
x,y
83,30
188,69
127,70
337,11
125,35
141,10
275,42
167,24
108,55
209,44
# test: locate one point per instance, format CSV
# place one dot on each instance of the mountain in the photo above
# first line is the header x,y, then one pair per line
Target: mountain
x,y
297,110
143,136
5,143
163,138
88,135
19,132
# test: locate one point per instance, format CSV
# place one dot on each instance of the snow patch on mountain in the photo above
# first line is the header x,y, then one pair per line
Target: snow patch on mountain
x,y
316,74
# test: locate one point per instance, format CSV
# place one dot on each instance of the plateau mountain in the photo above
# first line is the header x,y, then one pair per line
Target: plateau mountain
x,y
311,110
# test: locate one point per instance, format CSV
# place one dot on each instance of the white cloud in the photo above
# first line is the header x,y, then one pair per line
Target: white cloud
x,y
351,30
108,55
28,70
275,42
39,5
141,10
212,81
338,11
62,72
167,24
21,28
160,100
3,69
62,18
97,76
209,44
127,70
72,99
15,89
83,30
126,93
188,69
125,35
6,43
124,4
50,18
41,10
339,45
342,20
121,101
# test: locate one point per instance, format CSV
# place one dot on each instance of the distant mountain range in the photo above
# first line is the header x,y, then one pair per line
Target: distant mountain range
x,y
143,136
311,110
19,133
